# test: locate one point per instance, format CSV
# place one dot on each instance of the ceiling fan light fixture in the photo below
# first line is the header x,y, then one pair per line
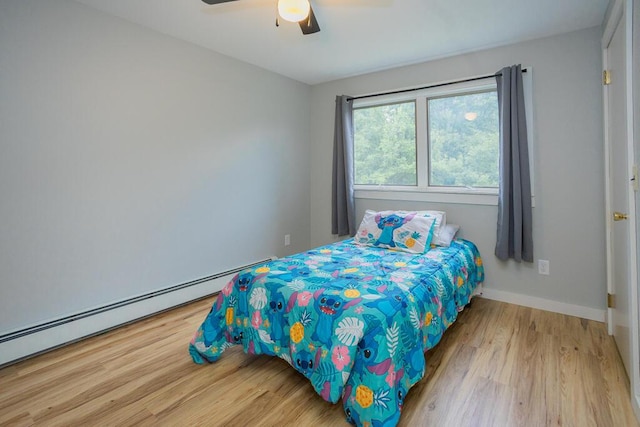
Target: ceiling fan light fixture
x,y
293,10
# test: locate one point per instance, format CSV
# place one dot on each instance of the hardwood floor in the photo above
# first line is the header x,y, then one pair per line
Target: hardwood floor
x,y
498,365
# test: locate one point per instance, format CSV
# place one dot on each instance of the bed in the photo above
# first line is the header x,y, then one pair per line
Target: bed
x,y
354,317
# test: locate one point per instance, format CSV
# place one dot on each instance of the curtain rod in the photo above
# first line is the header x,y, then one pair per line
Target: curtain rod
x,y
351,98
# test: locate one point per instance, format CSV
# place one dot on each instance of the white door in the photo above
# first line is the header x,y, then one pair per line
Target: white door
x,y
619,226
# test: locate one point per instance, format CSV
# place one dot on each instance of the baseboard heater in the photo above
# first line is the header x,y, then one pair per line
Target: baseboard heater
x,y
30,341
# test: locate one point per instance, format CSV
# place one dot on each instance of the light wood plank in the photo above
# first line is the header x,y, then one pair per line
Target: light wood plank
x,y
498,365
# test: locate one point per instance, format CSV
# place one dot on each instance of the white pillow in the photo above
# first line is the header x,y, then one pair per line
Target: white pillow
x,y
447,234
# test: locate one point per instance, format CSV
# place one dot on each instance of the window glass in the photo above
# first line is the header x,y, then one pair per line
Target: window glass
x,y
385,144
463,140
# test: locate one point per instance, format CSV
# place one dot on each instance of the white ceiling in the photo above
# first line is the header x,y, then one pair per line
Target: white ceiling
x,y
357,36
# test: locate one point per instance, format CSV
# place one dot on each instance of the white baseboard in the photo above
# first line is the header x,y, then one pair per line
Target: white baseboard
x,y
40,341
545,304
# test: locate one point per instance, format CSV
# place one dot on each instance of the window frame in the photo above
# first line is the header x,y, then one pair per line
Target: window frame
x,y
423,191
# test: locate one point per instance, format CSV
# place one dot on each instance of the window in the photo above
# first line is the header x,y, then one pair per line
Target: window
x,y
439,144
463,140
385,144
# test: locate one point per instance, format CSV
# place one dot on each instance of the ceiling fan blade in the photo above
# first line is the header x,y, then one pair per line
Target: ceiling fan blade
x,y
310,24
216,1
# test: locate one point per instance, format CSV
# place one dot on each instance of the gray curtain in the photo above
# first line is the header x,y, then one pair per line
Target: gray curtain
x,y
514,236
343,215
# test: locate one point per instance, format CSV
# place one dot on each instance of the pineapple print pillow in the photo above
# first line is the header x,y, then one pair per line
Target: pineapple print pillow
x,y
397,230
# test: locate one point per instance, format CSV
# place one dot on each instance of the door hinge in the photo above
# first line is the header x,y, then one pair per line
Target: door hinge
x,y
634,178
611,301
606,77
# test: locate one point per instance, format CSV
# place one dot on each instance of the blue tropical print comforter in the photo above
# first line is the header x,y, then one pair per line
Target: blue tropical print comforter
x,y
354,320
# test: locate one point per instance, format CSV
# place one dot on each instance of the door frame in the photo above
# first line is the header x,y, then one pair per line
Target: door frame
x,y
623,10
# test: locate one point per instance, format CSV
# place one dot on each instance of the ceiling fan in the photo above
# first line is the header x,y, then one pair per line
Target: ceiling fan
x,y
299,11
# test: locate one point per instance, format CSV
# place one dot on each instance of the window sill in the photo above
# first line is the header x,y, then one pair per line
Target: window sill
x,y
419,195
416,195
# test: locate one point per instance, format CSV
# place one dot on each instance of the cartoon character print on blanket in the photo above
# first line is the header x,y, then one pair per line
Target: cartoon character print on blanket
x,y
395,301
244,283
329,306
277,306
210,331
305,362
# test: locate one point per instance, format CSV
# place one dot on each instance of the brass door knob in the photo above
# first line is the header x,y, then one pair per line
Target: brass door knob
x,y
619,216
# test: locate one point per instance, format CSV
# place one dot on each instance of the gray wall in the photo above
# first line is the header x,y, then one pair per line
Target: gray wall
x,y
131,161
568,218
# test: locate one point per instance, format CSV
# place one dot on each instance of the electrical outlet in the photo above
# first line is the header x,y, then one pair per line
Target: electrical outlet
x,y
287,239
543,267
